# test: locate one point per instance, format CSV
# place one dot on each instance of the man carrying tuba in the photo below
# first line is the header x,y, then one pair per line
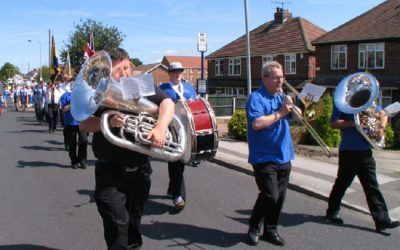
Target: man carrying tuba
x,y
355,158
123,176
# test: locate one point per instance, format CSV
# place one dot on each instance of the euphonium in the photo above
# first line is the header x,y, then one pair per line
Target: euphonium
x,y
356,94
94,87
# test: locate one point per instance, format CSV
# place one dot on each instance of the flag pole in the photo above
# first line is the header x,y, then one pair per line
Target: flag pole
x,y
49,51
69,64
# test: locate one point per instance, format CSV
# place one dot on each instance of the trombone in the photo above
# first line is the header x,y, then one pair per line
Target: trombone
x,y
304,121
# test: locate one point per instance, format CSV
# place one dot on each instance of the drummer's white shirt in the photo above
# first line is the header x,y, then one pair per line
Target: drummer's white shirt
x,y
179,90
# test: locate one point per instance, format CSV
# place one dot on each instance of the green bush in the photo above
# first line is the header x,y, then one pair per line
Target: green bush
x,y
389,137
237,126
396,139
322,124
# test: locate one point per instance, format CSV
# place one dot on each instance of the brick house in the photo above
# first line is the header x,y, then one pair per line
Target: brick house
x,y
370,42
159,71
284,39
192,65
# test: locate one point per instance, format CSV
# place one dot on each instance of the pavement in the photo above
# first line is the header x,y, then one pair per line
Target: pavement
x,y
316,177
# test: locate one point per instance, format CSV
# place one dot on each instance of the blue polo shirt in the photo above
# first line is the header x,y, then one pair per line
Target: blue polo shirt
x,y
65,100
271,144
351,139
188,91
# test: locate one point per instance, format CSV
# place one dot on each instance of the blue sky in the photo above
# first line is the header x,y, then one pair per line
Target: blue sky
x,y
153,28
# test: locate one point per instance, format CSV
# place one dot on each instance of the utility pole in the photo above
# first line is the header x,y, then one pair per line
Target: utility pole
x,y
40,58
248,51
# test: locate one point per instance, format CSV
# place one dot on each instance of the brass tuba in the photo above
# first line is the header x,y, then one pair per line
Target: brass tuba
x,y
356,94
94,87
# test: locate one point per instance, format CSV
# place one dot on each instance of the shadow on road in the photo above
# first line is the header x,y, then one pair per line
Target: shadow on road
x,y
89,193
290,220
54,142
27,131
33,124
42,148
25,247
34,164
157,208
26,119
189,235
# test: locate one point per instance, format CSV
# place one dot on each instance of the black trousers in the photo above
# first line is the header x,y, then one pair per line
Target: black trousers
x,y
272,182
76,139
360,164
176,179
53,116
120,197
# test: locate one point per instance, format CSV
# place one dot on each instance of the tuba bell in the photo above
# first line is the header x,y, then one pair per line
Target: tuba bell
x,y
94,87
356,95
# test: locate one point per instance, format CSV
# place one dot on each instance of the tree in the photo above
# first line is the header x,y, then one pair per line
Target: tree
x,y
136,61
322,124
8,70
45,74
105,38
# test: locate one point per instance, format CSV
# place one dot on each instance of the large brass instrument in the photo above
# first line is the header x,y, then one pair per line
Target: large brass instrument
x,y
356,95
305,123
94,87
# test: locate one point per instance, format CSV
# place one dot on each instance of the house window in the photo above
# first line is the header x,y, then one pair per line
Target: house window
x,y
339,57
235,66
371,55
386,97
290,64
219,71
191,71
267,58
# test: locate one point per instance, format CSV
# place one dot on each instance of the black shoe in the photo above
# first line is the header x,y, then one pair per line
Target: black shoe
x,y
179,203
82,165
274,238
253,236
383,225
334,218
74,165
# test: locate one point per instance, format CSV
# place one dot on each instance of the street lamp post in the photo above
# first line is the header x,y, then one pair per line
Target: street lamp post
x,y
248,56
40,58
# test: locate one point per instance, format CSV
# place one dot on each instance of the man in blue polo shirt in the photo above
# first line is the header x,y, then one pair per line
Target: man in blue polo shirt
x,y
355,158
74,137
270,151
177,89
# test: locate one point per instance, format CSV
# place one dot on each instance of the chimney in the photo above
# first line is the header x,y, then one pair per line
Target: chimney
x,y
282,15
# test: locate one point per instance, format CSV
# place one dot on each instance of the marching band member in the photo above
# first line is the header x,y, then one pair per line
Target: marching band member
x,y
270,152
75,139
355,158
177,89
123,176
53,97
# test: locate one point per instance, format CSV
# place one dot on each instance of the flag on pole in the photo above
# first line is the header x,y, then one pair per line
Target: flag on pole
x,y
54,66
67,69
89,48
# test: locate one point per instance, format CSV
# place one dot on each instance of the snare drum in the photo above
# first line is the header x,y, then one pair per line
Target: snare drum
x,y
201,129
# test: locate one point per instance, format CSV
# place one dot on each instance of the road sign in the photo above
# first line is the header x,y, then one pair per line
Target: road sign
x,y
201,86
202,42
